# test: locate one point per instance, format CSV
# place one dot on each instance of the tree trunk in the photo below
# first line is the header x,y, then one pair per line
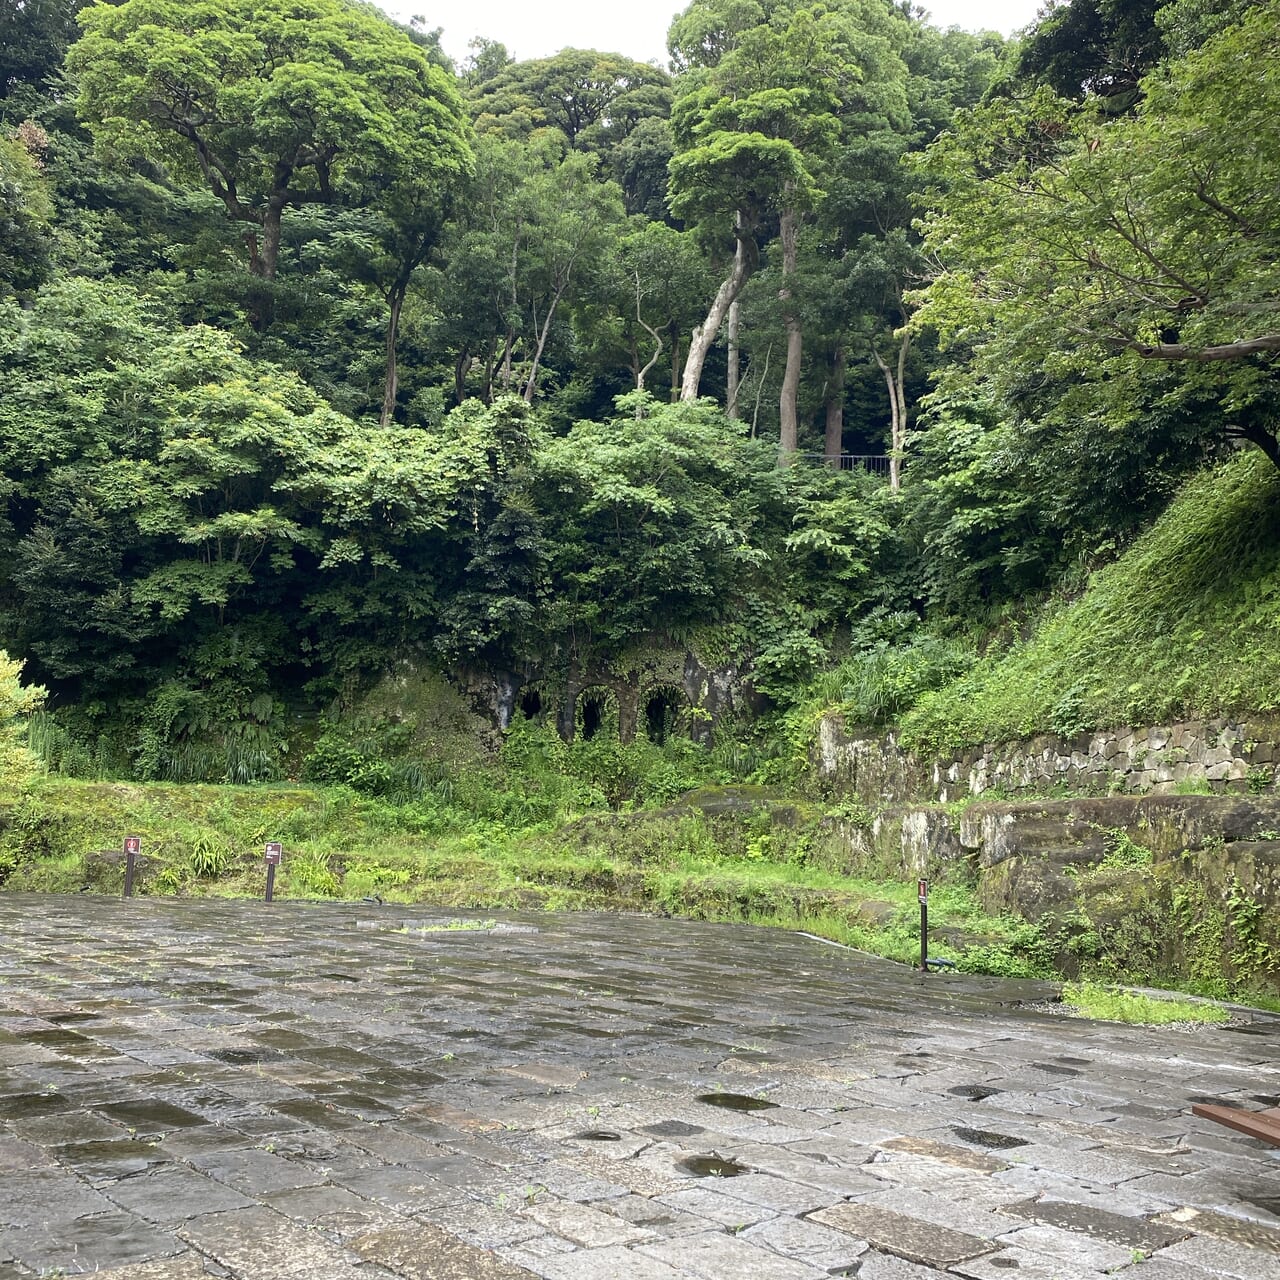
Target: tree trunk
x,y
506,362
895,381
251,243
731,388
788,411
461,367
900,444
271,237
833,440
390,384
1260,437
675,364
490,358
543,333
705,334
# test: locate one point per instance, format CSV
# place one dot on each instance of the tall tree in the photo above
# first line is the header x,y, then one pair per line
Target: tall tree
x,y
267,103
593,100
757,132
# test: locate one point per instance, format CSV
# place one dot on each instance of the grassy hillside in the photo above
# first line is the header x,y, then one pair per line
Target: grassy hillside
x,y
1185,625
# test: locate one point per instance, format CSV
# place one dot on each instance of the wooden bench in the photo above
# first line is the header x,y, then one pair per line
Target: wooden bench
x,y
1263,1125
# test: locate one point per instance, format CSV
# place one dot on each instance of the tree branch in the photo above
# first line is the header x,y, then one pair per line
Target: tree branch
x,y
1204,355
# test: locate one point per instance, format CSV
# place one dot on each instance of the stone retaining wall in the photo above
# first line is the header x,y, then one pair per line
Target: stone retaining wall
x,y
1222,755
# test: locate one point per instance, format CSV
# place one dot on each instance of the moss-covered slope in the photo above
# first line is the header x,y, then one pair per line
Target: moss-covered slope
x,y
1186,624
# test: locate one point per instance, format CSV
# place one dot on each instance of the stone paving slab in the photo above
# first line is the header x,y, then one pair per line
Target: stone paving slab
x,y
347,1092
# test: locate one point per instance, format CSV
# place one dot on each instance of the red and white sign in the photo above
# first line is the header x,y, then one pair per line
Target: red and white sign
x,y
275,850
133,844
922,891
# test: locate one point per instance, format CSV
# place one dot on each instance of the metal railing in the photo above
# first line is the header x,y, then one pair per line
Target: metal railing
x,y
876,463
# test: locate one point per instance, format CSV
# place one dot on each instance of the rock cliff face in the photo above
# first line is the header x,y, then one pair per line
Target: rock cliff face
x,y
1158,888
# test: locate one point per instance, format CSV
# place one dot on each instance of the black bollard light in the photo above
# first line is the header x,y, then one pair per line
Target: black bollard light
x,y
132,847
922,892
275,851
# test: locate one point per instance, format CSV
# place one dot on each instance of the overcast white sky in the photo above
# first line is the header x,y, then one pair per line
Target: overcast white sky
x,y
637,28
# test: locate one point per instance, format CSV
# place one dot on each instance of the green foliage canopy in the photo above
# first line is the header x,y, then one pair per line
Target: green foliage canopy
x,y
1101,252
268,103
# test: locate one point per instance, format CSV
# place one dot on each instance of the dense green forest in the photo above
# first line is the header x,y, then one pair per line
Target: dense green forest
x,y
842,351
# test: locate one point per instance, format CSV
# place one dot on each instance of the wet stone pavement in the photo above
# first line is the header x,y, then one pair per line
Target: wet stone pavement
x,y
336,1092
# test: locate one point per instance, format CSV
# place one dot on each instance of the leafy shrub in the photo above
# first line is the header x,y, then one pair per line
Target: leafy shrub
x,y
874,686
17,703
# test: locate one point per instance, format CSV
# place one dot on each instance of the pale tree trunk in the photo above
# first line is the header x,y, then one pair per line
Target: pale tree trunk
x,y
833,440
732,383
264,256
505,368
391,382
506,373
788,412
543,333
705,334
763,378
642,374
895,381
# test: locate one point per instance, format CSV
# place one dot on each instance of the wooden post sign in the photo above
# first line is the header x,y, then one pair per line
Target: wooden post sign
x,y
274,853
132,847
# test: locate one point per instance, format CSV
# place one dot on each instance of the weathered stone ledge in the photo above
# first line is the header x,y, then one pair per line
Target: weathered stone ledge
x,y
1221,755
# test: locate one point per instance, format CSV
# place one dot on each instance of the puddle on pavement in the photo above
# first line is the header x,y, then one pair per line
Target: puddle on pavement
x,y
597,1135
246,1057
336,977
985,1138
1075,1062
1005,1264
974,1092
712,1166
578,1029
735,1101
1052,1068
62,1018
113,1159
29,1106
68,1043
1255,1029
152,1117
402,1078
1268,1204
1267,1099
672,1129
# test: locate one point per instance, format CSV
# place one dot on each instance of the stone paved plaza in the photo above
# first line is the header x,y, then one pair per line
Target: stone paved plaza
x,y
302,1092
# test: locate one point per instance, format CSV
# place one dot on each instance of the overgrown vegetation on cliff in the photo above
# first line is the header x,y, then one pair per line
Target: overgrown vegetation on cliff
x,y
1183,625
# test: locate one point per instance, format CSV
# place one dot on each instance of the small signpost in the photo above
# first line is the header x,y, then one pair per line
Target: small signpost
x,y
132,847
922,892
274,852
